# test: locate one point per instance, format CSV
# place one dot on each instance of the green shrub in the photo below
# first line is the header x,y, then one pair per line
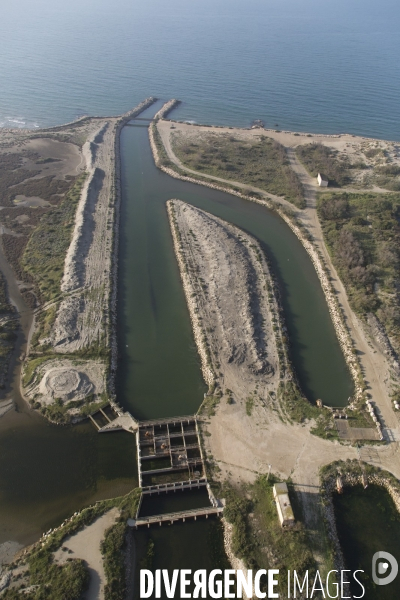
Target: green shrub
x,y
45,252
114,567
362,233
318,158
263,164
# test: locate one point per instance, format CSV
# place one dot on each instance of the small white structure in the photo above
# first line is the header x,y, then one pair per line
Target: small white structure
x,y
323,181
283,506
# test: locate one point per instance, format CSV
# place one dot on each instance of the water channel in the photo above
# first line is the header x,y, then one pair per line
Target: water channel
x,y
47,472
159,372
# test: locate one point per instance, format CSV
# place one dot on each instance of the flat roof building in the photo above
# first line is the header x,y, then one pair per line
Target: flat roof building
x,y
322,180
283,506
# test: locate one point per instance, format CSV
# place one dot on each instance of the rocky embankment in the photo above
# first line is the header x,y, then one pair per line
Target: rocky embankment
x,y
166,109
226,281
236,563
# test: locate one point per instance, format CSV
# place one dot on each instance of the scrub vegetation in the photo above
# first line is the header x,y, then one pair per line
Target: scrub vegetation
x,y
45,252
12,173
112,550
294,404
52,581
209,405
362,232
38,236
263,164
163,157
318,158
258,538
386,176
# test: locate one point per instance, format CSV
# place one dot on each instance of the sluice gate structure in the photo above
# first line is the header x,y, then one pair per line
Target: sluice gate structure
x,y
116,419
168,450
169,460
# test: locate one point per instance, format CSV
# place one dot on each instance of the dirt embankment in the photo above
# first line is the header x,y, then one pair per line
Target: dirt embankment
x,y
80,320
226,276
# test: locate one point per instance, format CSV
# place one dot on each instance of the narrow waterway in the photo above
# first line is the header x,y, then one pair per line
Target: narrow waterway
x,y
159,373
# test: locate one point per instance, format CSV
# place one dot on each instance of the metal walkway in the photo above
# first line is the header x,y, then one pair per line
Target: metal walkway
x,y
175,516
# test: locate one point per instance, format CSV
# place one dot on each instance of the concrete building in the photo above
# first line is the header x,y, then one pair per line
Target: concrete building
x,y
283,506
323,181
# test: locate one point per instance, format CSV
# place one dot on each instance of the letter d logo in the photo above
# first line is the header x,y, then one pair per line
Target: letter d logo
x,y
382,567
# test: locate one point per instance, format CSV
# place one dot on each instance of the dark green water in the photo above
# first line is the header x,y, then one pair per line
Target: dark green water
x,y
48,472
159,372
174,501
367,522
195,545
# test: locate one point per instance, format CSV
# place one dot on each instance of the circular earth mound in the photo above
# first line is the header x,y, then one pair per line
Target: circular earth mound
x,y
66,383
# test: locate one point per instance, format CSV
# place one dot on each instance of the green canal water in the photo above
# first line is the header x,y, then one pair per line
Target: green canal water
x,y
48,472
158,370
367,522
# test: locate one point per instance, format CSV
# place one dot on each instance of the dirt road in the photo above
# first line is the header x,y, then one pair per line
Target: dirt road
x,y
373,362
86,545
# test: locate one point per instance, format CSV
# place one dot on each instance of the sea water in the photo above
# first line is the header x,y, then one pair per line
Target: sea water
x,y
316,66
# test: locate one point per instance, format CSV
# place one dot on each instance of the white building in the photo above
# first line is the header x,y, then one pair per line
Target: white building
x,y
283,506
322,180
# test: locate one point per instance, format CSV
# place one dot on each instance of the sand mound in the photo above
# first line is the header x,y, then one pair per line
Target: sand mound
x,y
67,381
66,384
